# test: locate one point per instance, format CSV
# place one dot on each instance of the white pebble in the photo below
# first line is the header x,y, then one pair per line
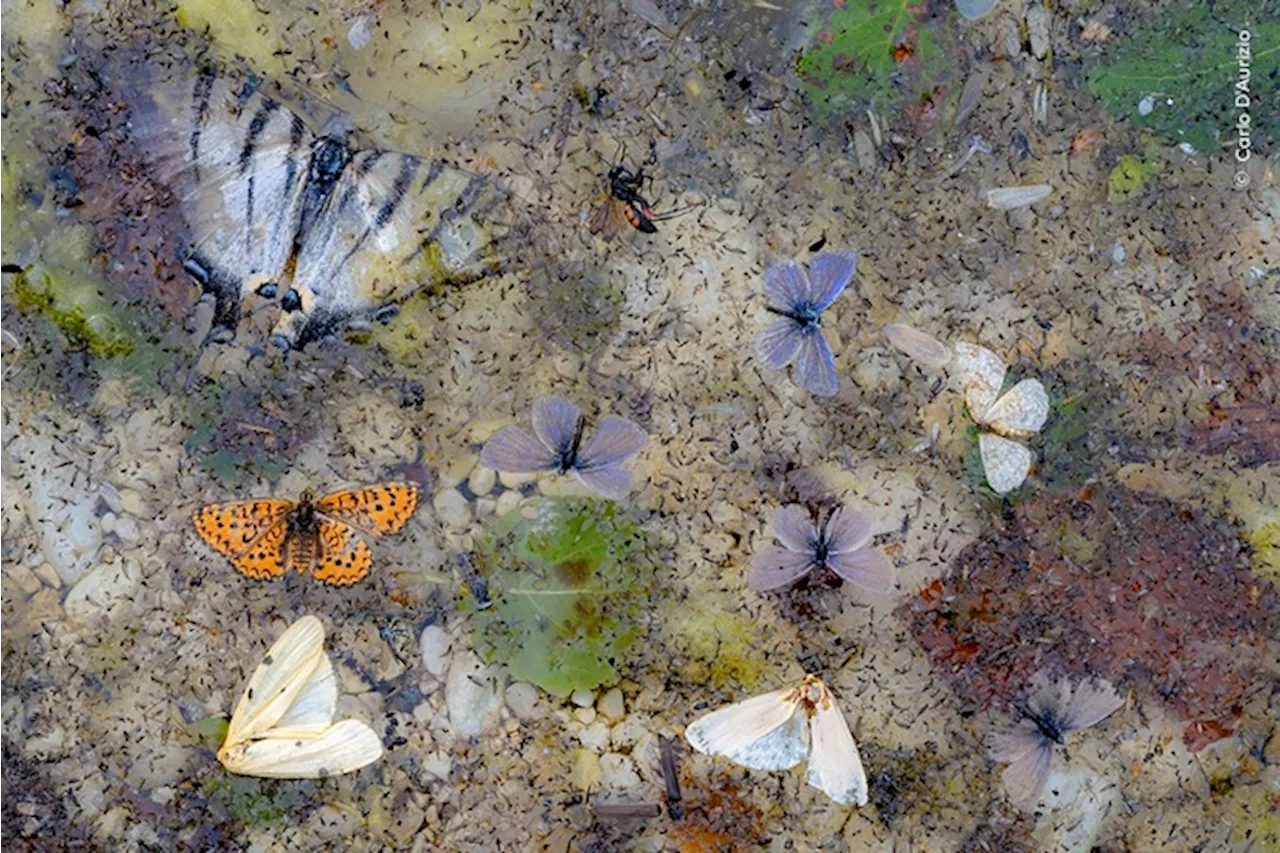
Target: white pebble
x,y
435,642
127,530
1038,30
481,480
586,716
1008,198
618,772
452,508
582,698
1146,106
471,695
1117,253
522,699
611,705
595,736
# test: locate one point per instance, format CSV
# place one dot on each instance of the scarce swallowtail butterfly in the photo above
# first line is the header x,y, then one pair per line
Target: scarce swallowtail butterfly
x,y
328,232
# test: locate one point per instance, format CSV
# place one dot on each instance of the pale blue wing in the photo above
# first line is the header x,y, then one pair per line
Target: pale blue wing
x,y
794,527
1092,702
555,423
848,530
1009,744
868,568
513,450
775,567
829,274
609,481
815,368
786,285
615,440
778,342
1024,779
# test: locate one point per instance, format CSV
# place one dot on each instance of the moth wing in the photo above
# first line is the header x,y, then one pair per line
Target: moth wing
x,y
616,438
1092,702
763,732
829,274
283,675
340,748
374,510
393,222
795,529
815,368
868,568
514,451
1012,743
1020,411
232,528
1005,462
979,373
312,710
238,162
925,349
848,530
343,557
835,768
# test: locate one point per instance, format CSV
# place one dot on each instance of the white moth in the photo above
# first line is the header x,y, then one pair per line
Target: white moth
x,y
925,349
283,725
778,730
1010,198
1017,414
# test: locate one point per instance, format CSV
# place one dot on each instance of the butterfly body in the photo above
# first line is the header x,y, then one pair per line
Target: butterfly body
x,y
269,537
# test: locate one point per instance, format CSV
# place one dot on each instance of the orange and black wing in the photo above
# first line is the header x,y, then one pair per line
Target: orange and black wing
x,y
374,510
265,558
230,528
342,556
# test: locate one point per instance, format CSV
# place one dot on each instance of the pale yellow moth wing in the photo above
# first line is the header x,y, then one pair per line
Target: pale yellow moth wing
x,y
313,709
341,748
763,732
1005,462
923,348
835,768
1021,411
979,372
283,674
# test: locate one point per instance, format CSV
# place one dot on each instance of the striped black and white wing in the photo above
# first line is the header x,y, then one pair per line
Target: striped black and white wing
x,y
392,224
238,160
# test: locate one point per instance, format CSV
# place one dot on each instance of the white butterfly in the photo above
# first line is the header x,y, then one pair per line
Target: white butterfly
x,y
1017,414
778,730
283,724
278,211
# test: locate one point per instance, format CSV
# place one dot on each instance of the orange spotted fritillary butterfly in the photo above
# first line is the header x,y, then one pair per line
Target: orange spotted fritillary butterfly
x,y
266,537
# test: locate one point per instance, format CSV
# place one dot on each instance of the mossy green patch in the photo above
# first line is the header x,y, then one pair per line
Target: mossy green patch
x,y
1182,69
221,441
568,586
716,644
77,308
1129,177
238,27
254,802
1254,817
209,732
875,53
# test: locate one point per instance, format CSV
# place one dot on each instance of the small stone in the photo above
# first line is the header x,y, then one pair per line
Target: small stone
x,y
435,643
586,770
108,522
23,577
618,772
131,503
482,480
507,502
611,705
628,733
163,795
471,695
582,698
1038,30
522,699
456,469
48,575
111,497
1117,253
586,716
438,764
452,508
127,530
406,821
595,736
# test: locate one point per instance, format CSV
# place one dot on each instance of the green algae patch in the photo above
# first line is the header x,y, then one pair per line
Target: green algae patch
x,y
76,308
568,588
874,54
1179,78
1129,178
254,802
716,645
209,732
237,27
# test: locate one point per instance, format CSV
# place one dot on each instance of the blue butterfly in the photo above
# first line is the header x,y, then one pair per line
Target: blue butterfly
x,y
799,301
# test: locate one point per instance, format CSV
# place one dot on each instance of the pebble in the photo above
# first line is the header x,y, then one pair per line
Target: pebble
x,y
1117,253
471,695
131,502
108,522
452,508
582,698
127,530
611,705
435,642
595,736
438,764
586,716
23,577
522,699
1038,30
111,497
618,772
482,480
1011,198
507,502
